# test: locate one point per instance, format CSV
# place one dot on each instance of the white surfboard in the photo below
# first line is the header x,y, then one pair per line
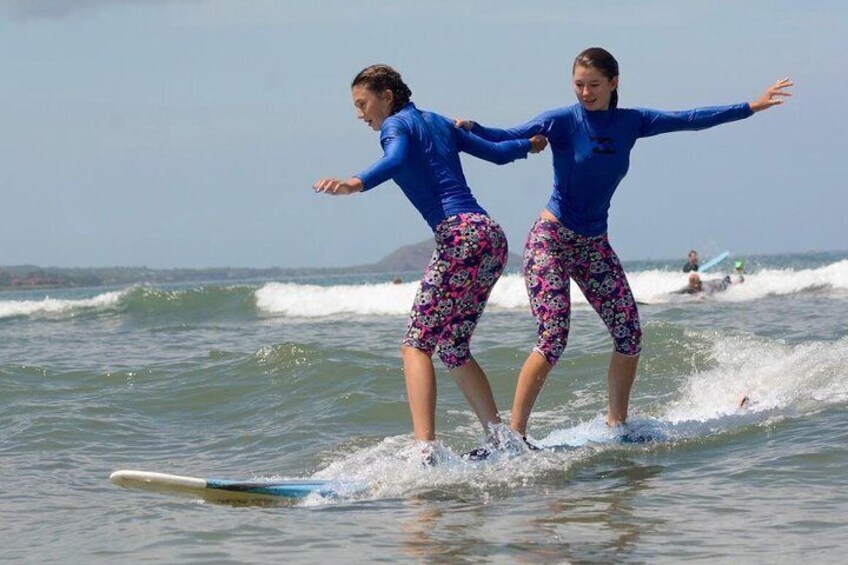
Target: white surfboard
x,y
229,491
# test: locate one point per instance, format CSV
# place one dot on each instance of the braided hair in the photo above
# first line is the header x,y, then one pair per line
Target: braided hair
x,y
378,78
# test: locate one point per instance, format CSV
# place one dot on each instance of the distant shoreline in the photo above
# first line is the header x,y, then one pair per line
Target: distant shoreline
x,y
410,258
30,277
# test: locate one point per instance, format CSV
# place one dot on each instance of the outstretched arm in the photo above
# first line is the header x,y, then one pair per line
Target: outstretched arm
x,y
395,145
500,152
655,122
535,126
773,96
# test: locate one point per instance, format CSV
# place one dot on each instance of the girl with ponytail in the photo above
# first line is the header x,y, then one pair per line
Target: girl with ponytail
x,y
590,145
421,154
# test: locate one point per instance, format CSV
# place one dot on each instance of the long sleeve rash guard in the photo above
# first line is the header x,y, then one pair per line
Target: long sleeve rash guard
x,y
421,154
591,152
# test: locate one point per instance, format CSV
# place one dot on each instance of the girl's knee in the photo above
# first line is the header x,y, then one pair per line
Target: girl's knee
x,y
630,345
551,350
454,355
409,352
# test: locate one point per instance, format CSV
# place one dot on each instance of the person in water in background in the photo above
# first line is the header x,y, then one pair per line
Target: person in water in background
x,y
691,262
739,271
697,286
590,144
421,154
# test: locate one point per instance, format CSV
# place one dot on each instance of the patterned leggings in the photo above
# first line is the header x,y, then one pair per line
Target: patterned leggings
x,y
552,255
469,258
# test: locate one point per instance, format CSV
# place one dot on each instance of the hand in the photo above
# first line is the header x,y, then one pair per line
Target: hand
x,y
538,143
336,186
464,124
773,95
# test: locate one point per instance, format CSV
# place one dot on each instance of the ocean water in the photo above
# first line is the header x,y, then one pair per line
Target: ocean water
x,y
297,378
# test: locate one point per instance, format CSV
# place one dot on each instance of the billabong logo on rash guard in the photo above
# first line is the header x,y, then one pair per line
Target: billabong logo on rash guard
x,y
604,145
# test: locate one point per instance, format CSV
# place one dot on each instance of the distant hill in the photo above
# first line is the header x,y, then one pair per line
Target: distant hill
x,y
416,256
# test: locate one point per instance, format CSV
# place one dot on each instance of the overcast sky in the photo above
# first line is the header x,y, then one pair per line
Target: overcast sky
x,y
188,133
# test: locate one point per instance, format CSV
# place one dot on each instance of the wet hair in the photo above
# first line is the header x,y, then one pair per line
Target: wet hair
x,y
378,78
601,59
695,281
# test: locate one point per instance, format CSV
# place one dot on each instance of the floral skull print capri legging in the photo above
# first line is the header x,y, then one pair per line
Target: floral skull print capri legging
x,y
553,254
469,258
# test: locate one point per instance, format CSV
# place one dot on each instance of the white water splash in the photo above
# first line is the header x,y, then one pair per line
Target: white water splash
x,y
773,375
779,380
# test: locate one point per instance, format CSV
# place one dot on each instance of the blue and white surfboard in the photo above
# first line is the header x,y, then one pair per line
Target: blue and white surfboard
x,y
222,490
713,262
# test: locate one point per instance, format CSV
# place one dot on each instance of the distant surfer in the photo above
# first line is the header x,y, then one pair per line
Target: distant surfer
x,y
421,154
697,286
739,271
691,262
590,144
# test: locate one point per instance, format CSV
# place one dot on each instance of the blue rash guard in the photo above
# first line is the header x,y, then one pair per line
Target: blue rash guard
x,y
421,154
591,152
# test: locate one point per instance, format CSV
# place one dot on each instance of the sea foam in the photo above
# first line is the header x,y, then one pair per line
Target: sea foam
x,y
651,286
52,306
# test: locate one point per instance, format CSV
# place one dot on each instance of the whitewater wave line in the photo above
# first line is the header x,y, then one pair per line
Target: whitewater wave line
x,y
389,299
48,306
657,287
